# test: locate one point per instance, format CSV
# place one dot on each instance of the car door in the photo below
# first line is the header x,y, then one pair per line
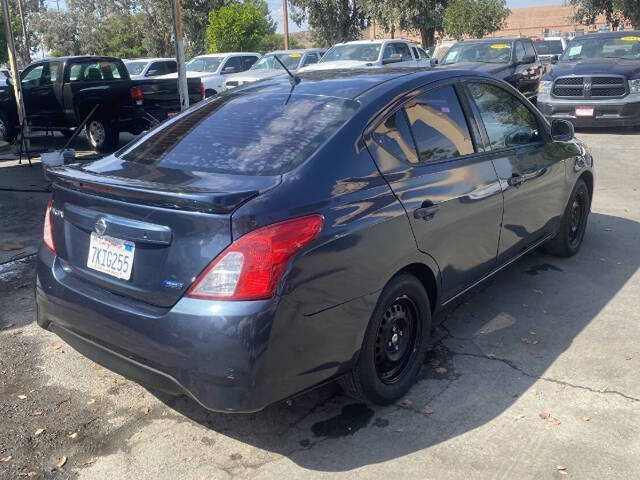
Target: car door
x,y
532,178
42,103
446,183
402,49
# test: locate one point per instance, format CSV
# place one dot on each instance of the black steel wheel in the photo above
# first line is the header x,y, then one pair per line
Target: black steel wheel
x,y
568,240
394,345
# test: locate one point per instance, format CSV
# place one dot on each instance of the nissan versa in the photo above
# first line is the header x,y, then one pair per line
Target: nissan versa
x,y
282,235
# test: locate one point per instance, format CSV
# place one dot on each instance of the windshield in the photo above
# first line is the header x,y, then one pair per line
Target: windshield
x,y
204,64
245,133
548,47
135,68
291,61
363,52
478,52
595,47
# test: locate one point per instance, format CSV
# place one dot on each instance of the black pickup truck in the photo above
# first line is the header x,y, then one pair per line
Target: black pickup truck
x,y
59,93
513,60
596,82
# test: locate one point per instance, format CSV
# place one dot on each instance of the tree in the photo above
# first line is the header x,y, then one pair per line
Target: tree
x,y
385,13
615,11
331,21
474,18
275,41
238,27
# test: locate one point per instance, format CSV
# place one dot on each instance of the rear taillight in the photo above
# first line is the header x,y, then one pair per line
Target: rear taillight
x,y
251,267
136,95
202,89
47,231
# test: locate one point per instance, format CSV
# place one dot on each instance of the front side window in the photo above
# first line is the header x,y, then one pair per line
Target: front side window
x,y
97,71
310,59
519,52
232,65
506,119
247,62
439,126
33,76
245,133
157,68
398,49
51,73
395,137
529,50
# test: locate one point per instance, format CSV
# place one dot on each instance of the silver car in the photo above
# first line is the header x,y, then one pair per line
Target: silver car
x,y
268,66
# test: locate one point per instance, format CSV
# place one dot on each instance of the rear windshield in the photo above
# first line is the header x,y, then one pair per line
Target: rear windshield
x,y
548,47
135,68
245,133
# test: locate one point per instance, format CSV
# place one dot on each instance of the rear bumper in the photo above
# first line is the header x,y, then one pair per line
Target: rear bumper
x,y
228,356
607,113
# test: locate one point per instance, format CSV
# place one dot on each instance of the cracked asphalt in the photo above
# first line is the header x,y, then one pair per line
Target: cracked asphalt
x,y
532,376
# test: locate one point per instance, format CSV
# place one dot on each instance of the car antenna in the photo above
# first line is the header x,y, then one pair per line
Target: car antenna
x,y
293,78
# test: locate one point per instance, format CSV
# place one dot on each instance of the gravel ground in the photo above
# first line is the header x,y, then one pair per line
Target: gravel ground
x,y
534,376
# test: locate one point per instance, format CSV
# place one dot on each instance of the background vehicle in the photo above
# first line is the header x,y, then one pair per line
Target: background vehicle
x,y
596,83
420,54
513,60
248,231
549,49
368,53
268,67
150,67
5,74
60,92
214,68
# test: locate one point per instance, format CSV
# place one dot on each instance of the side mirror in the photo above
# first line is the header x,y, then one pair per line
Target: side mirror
x,y
227,70
554,59
433,61
561,130
527,59
395,58
151,73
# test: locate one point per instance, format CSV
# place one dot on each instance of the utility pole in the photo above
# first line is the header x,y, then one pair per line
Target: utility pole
x,y
285,16
25,36
179,36
17,85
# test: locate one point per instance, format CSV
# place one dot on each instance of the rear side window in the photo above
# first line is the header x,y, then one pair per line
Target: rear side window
x,y
245,133
97,71
439,126
529,50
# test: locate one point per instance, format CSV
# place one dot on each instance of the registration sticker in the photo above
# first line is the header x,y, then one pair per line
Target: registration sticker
x,y
295,55
630,38
584,111
499,46
576,50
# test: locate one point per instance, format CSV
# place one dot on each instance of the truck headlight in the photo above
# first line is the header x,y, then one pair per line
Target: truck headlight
x,y
634,85
544,87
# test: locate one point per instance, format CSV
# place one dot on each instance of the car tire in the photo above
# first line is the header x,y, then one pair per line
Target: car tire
x,y
395,343
101,136
210,93
568,240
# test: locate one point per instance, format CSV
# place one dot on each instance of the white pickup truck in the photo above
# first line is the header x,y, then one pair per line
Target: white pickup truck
x,y
213,69
369,53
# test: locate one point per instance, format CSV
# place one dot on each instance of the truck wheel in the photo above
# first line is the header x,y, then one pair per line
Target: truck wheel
x,y
7,134
210,92
101,136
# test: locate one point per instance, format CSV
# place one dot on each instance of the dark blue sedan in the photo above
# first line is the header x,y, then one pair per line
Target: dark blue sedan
x,y
283,235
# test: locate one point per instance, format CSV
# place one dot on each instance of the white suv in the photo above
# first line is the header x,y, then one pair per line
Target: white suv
x,y
212,69
368,53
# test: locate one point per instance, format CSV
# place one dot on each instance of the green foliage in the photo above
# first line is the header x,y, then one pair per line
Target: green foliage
x,y
237,28
474,18
275,41
615,11
331,21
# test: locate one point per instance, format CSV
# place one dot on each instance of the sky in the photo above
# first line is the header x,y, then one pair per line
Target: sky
x,y
276,10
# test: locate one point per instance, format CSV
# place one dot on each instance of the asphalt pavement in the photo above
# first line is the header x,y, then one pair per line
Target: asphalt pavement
x,y
533,376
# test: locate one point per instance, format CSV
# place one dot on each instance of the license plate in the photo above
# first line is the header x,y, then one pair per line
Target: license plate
x,y
112,256
584,111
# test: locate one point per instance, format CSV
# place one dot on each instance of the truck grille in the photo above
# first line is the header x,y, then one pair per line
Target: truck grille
x,y
610,86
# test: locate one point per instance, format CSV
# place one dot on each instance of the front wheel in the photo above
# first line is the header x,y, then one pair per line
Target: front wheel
x,y
395,343
101,136
568,240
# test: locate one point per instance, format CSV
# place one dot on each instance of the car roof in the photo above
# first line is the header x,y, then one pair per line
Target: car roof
x,y
151,59
220,55
626,33
354,83
297,50
494,40
375,41
77,57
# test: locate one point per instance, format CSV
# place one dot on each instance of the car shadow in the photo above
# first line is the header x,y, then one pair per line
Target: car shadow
x,y
521,321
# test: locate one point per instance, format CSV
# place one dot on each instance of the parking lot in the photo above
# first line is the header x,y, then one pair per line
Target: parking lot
x,y
533,376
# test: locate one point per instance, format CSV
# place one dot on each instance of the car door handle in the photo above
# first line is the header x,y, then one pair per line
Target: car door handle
x,y
516,180
426,212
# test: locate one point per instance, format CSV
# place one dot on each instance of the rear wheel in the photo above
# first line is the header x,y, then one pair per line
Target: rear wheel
x,y
102,137
395,343
568,240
